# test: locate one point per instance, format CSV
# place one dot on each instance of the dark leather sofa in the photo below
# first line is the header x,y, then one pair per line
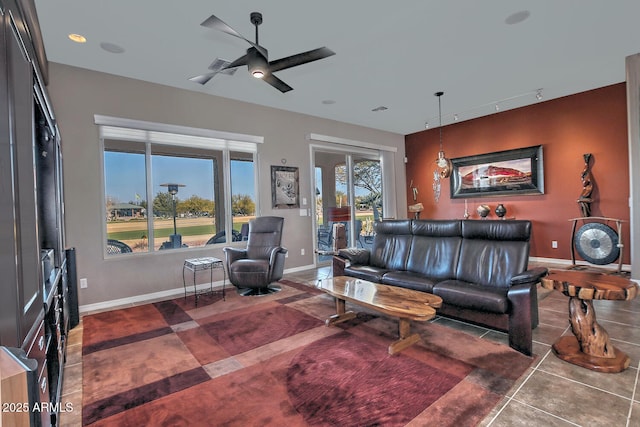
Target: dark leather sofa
x,y
477,267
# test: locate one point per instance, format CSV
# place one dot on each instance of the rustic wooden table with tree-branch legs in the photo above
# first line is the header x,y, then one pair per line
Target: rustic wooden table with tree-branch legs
x,y
590,347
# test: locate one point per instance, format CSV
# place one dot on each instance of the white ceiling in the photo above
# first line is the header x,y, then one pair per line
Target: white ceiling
x,y
392,54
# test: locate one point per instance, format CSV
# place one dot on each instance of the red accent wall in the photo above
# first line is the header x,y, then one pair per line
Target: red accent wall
x,y
590,122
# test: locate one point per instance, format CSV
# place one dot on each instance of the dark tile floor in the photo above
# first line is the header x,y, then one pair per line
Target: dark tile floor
x,y
551,393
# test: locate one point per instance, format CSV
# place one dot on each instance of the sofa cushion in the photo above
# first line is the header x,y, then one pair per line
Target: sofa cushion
x,y
391,244
366,272
409,280
512,230
473,296
493,251
435,257
436,227
437,241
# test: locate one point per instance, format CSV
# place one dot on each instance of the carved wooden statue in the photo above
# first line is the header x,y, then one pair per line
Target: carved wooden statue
x,y
587,187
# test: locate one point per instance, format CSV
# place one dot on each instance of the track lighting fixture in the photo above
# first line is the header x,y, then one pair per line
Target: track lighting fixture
x,y
498,105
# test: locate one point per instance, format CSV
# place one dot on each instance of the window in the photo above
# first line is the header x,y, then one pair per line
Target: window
x,y
166,190
243,193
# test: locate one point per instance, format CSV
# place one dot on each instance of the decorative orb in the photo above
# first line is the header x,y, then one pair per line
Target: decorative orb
x,y
483,210
501,210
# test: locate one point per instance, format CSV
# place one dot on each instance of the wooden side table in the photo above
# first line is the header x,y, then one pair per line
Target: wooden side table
x,y
590,347
200,264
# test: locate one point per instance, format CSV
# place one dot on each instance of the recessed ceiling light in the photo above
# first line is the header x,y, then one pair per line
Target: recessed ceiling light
x,y
380,108
77,38
110,47
517,17
328,102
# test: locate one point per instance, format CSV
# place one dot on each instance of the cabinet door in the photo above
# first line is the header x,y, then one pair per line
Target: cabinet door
x,y
8,266
21,103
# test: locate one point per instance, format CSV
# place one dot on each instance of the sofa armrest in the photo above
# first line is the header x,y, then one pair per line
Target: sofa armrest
x,y
530,276
339,264
355,255
523,316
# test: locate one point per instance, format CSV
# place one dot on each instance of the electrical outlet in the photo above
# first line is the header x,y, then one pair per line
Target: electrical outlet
x,y
554,244
83,283
302,251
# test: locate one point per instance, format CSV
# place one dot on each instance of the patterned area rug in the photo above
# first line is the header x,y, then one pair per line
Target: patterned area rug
x,y
271,361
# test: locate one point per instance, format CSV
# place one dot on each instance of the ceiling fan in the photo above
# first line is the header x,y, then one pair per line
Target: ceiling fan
x,y
257,58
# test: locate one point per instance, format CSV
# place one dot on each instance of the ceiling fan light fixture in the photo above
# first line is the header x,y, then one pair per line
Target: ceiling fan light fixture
x,y
257,64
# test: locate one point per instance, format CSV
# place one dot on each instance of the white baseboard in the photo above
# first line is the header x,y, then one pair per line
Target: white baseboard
x,y
298,269
139,299
567,262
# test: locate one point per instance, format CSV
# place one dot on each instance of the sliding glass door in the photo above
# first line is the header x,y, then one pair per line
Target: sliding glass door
x,y
367,184
348,191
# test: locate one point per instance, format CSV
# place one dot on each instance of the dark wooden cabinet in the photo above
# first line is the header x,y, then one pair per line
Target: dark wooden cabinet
x,y
33,302
23,146
9,250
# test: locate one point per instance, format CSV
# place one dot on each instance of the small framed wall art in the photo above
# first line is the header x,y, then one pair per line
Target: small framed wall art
x,y
285,191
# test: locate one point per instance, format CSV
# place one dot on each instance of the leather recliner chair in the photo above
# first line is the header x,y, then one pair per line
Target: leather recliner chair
x,y
253,269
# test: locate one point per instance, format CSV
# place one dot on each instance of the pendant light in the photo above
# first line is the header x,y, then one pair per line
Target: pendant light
x,y
443,164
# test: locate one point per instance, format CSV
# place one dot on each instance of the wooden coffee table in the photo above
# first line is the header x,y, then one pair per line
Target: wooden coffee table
x,y
590,347
405,304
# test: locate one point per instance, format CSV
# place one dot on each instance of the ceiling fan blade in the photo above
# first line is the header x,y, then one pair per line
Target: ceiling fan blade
x,y
243,60
203,78
299,59
277,83
218,24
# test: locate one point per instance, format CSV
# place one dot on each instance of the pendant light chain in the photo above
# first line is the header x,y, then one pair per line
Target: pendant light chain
x,y
439,95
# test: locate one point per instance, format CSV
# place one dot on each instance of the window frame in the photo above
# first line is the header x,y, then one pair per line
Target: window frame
x,y
150,133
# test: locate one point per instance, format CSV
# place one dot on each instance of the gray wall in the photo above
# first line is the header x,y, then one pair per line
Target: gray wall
x,y
78,94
